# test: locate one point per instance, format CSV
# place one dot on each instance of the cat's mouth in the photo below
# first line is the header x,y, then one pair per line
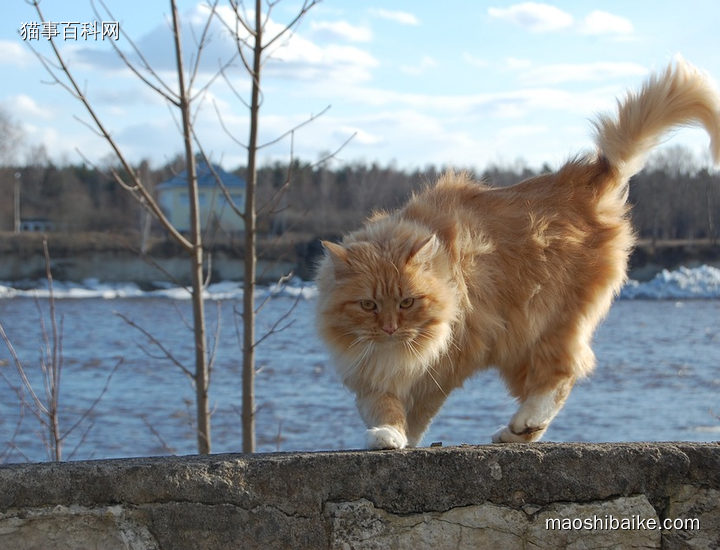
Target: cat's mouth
x,y
396,338
383,337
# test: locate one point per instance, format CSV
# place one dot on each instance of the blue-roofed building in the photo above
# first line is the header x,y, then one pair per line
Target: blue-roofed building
x,y
215,211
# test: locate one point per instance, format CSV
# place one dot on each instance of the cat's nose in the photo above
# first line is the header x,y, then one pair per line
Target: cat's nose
x,y
390,329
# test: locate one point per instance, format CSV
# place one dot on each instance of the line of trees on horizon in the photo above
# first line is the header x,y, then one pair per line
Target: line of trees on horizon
x,y
671,199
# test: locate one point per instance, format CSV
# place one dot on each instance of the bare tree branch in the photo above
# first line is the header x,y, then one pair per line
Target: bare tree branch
x,y
166,352
167,93
218,180
169,450
96,401
226,130
37,402
242,19
47,411
305,8
126,166
216,339
335,153
294,128
234,91
200,45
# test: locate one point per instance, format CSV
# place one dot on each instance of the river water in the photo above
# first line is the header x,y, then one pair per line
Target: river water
x,y
657,377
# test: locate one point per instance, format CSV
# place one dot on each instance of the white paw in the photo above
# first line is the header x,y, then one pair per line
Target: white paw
x,y
386,437
531,420
506,435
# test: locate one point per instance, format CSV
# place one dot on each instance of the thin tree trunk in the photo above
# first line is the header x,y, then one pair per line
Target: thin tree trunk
x,y
201,366
248,397
55,364
709,209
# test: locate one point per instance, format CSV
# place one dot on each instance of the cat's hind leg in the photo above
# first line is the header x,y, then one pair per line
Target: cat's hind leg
x,y
534,415
542,383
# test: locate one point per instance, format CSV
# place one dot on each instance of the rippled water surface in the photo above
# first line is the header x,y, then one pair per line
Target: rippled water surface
x,y
658,378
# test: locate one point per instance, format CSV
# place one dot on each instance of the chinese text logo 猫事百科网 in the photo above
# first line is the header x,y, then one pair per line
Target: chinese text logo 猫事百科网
x,y
70,30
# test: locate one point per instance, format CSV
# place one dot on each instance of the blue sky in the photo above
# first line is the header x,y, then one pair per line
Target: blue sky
x,y
456,83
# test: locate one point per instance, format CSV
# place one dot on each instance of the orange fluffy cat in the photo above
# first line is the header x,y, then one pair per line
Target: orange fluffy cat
x,y
467,276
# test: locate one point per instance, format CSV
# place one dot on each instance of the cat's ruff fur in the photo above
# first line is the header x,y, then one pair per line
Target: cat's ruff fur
x,y
466,276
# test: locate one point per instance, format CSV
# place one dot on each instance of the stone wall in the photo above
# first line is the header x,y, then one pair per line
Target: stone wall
x,y
506,496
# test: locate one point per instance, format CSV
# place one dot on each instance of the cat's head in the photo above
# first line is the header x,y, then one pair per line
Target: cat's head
x,y
385,298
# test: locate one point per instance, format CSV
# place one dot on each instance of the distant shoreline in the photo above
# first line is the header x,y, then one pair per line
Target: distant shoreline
x,y
114,258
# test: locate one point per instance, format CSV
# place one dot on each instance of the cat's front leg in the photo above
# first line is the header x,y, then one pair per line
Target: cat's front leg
x,y
384,414
386,437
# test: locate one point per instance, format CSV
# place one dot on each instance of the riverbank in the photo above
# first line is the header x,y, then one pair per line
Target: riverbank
x,y
112,258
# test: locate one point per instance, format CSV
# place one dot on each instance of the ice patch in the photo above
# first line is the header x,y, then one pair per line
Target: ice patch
x,y
295,288
684,283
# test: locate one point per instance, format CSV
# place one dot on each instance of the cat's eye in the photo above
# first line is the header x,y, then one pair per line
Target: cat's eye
x,y
407,303
368,305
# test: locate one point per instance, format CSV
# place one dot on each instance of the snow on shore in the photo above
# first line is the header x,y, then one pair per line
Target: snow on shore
x,y
682,284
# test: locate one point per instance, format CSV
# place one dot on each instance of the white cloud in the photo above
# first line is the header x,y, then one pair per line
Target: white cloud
x,y
12,53
517,63
534,16
538,17
402,17
293,57
341,30
581,72
601,22
25,108
426,63
301,59
522,130
475,61
362,137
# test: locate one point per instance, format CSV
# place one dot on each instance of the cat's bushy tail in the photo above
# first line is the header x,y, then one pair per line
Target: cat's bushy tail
x,y
680,96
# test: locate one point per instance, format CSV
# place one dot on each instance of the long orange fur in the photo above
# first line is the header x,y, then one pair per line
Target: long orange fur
x,y
467,276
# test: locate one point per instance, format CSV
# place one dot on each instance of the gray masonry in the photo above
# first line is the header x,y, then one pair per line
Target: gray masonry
x,y
505,496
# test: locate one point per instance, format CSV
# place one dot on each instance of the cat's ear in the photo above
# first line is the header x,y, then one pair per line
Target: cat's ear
x,y
423,250
337,253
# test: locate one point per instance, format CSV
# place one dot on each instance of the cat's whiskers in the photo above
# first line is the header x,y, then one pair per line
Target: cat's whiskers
x,y
358,340
430,370
362,359
428,336
411,346
451,342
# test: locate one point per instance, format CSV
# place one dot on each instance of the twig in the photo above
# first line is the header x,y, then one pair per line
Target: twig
x,y
332,155
166,352
294,128
305,8
167,448
96,401
218,180
10,444
168,93
216,340
39,408
226,130
274,328
233,90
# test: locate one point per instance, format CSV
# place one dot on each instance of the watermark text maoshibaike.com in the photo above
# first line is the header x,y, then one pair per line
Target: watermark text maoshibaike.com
x,y
609,522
